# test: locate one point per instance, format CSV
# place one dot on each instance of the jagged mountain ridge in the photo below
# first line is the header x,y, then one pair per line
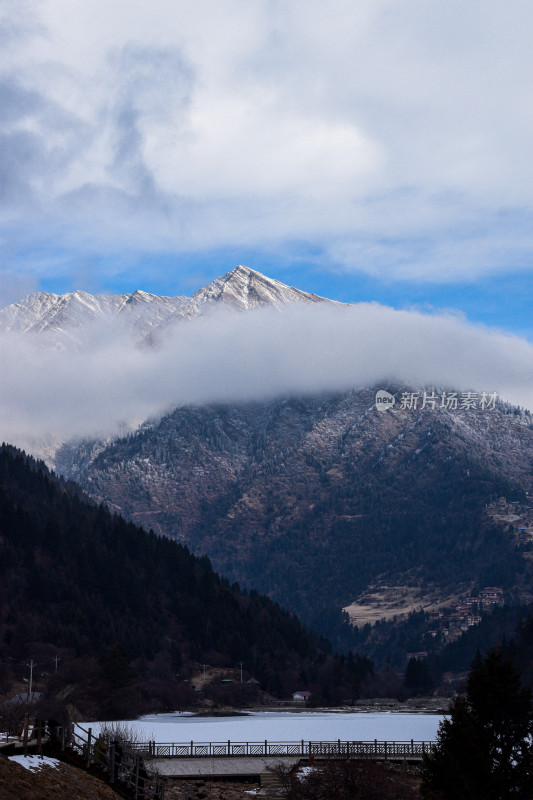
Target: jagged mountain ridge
x,y
312,500
61,319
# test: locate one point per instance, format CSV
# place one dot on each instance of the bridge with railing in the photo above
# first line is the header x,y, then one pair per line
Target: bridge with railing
x,y
374,749
147,766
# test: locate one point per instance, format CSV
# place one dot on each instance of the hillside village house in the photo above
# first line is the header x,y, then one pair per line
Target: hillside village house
x,y
301,697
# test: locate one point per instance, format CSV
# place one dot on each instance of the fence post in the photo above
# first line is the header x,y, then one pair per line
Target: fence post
x,y
89,738
302,750
376,746
266,747
137,766
191,747
412,747
229,747
25,733
386,751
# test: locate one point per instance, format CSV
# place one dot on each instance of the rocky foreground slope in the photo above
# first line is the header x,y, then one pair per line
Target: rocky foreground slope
x,y
60,782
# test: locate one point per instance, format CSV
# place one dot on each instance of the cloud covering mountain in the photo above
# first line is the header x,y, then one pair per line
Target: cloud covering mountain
x,y
110,382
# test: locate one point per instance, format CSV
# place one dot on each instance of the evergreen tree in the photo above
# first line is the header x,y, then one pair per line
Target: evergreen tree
x,y
483,749
116,666
418,678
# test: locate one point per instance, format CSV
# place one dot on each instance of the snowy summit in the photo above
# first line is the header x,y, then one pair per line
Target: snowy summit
x,y
60,319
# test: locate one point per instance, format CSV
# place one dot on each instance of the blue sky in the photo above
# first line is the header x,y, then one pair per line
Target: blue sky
x,y
371,151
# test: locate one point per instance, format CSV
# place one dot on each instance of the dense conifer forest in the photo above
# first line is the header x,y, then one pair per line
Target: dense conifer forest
x,y
78,580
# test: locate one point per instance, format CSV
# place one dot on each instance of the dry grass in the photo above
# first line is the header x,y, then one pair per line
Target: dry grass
x,y
387,602
62,783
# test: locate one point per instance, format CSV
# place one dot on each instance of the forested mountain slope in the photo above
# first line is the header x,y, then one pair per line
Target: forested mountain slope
x,y
75,577
313,500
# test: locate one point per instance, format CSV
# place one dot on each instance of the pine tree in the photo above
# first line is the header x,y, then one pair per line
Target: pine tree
x,y
483,749
418,676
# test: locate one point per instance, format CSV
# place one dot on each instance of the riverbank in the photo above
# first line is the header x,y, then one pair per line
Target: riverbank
x,y
415,705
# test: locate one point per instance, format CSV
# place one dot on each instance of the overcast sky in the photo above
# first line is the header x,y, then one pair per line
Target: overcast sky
x,y
369,150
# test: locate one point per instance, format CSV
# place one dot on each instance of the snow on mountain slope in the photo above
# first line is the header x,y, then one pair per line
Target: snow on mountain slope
x,y
245,288
60,320
313,500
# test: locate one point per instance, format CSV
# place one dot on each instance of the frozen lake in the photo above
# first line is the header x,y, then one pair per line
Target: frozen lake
x,y
284,727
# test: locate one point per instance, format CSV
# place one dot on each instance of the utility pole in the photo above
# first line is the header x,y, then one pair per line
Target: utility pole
x,y
205,667
56,659
32,666
240,663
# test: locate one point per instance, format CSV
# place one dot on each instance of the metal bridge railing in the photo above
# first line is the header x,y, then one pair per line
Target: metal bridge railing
x,y
364,749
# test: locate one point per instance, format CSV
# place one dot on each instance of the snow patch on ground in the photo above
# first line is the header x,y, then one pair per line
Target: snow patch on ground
x,y
35,763
304,772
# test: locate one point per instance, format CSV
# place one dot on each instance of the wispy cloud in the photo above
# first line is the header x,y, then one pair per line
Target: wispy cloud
x,y
109,385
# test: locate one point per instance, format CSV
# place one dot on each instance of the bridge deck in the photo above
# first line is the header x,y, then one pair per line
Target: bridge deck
x,y
217,767
216,759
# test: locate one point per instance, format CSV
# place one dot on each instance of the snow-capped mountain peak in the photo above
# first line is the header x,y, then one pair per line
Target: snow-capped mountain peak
x,y
59,320
245,288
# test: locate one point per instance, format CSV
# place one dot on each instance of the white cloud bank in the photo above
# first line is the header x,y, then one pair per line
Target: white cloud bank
x,y
392,135
261,354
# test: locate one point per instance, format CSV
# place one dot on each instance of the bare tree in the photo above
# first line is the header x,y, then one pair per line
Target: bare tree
x,y
354,779
12,717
